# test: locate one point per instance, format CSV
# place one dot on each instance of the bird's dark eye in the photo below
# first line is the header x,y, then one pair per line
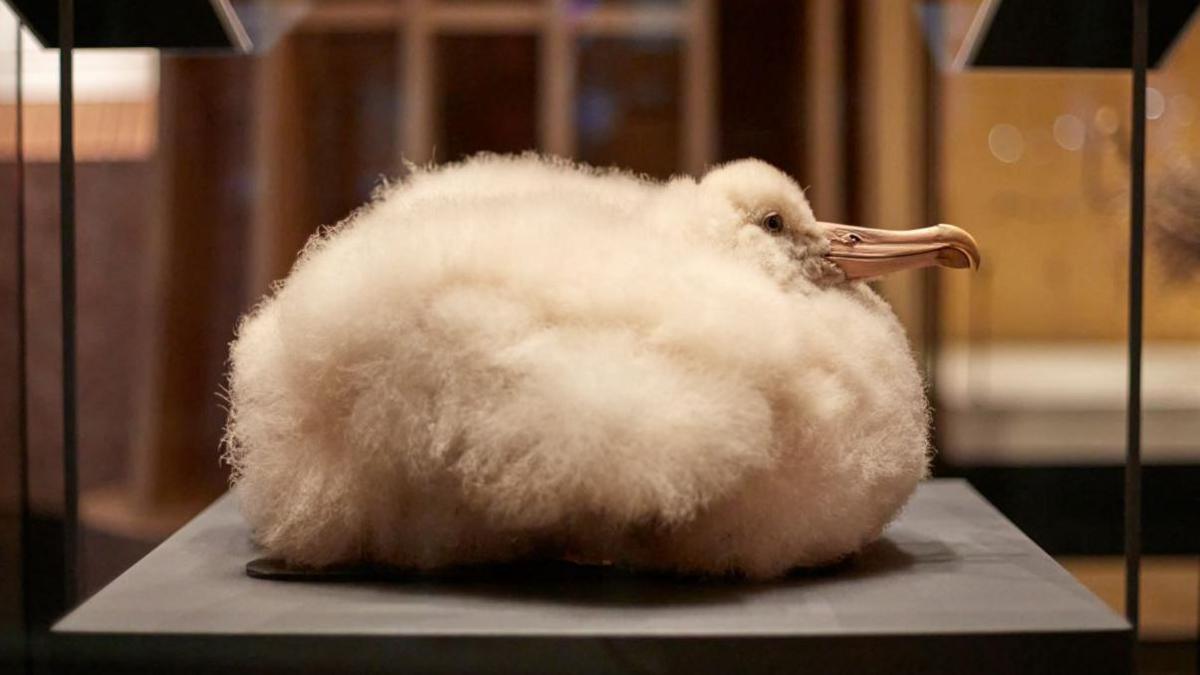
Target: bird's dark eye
x,y
772,222
853,238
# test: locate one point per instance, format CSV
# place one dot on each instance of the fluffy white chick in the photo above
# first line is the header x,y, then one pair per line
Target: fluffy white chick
x,y
514,357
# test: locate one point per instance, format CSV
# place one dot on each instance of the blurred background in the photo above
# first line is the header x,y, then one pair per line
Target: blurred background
x,y
200,176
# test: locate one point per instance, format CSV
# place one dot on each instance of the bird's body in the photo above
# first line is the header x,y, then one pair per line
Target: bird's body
x,y
514,357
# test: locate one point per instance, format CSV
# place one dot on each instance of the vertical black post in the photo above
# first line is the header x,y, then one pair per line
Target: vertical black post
x,y
66,176
1133,411
930,280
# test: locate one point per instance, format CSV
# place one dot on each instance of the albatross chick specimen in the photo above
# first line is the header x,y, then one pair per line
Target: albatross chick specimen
x,y
517,357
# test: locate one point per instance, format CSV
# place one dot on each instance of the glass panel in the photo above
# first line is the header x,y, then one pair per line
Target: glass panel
x,y
11,465
1171,367
1033,375
44,583
116,145
347,137
761,100
629,3
1036,165
1040,169
628,107
492,108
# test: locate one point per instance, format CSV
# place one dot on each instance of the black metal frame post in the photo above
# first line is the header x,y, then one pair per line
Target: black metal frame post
x,y
930,279
66,174
1133,411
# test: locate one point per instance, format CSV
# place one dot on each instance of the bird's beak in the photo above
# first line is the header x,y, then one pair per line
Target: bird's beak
x,y
863,252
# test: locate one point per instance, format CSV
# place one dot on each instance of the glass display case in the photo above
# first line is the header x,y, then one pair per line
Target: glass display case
x,y
207,152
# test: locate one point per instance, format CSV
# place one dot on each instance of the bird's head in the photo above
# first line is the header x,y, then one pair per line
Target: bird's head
x,y
776,227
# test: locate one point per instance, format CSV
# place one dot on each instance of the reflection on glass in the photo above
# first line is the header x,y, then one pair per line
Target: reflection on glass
x,y
490,108
11,608
1034,373
627,109
348,130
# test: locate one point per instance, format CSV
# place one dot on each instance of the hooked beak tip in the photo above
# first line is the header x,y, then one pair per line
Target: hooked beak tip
x,y
961,247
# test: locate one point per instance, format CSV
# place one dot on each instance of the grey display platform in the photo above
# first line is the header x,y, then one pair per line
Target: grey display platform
x,y
951,587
